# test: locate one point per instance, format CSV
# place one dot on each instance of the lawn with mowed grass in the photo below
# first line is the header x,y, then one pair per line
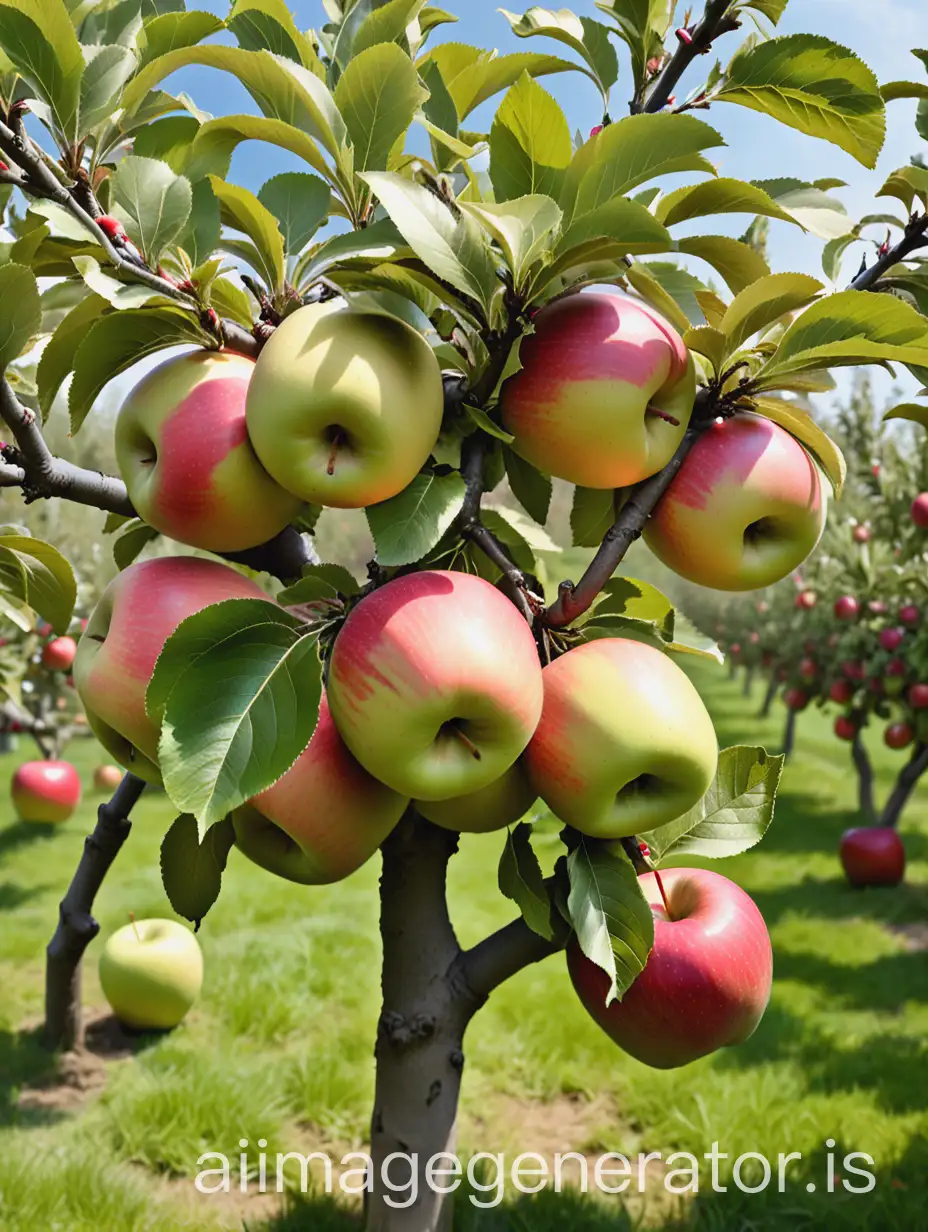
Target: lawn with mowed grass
x,y
280,1046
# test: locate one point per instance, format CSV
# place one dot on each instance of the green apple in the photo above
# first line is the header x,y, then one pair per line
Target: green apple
x,y
745,510
501,804
323,819
345,406
624,744
605,392
151,972
183,449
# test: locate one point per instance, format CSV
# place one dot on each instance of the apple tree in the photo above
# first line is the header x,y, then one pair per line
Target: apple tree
x,y
396,323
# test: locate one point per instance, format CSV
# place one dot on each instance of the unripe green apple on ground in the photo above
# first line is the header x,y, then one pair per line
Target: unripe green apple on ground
x,y
151,972
345,406
184,452
624,743
605,392
116,656
434,684
707,980
494,807
746,508
324,818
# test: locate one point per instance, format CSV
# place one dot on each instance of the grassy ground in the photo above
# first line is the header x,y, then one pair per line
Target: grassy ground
x,y
280,1046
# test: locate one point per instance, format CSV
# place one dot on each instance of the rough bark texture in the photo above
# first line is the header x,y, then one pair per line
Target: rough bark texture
x,y
864,779
76,925
905,785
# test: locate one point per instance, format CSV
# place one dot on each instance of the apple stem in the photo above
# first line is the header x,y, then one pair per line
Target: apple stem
x,y
653,410
135,927
337,440
466,741
660,886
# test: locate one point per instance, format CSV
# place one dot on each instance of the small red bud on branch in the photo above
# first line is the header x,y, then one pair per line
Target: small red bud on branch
x,y
684,36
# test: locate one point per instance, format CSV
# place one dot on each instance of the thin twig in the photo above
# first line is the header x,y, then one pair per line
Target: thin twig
x,y
715,22
914,237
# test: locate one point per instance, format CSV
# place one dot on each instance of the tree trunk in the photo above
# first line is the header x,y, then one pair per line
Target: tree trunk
x,y
789,735
76,926
769,697
426,1008
905,785
732,668
748,686
864,780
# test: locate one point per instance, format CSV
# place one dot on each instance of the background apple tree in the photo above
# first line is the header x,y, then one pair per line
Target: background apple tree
x,y
126,238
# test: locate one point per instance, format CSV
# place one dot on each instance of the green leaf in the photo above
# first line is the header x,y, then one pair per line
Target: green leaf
x,y
386,24
132,540
522,881
908,185
709,342
200,237
625,596
472,75
732,816
669,288
116,342
378,95
486,424
810,205
803,427
642,26
588,38
152,202
452,247
118,294
903,89
766,301
721,196
173,30
522,227
915,412
217,139
36,573
300,203
21,317
407,526
529,143
592,513
738,263
106,72
269,24
239,687
633,229
319,582
38,38
57,358
813,85
378,242
529,486
191,871
169,140
609,914
243,211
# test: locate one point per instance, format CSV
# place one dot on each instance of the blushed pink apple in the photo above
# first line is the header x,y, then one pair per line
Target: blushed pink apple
x,y
501,804
46,791
185,455
707,980
746,508
116,656
625,742
435,684
107,777
324,818
58,654
846,608
605,392
920,511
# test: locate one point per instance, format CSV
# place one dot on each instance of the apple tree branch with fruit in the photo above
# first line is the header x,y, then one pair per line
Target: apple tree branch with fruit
x,y
437,343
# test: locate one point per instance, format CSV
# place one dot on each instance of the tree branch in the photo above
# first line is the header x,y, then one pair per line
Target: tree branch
x,y
715,22
76,925
915,236
502,955
911,772
864,779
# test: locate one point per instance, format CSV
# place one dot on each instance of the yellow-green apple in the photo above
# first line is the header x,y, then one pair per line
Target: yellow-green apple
x,y
707,980
746,508
345,406
872,856
920,511
46,791
151,972
624,744
605,392
183,449
435,685
116,656
323,819
107,777
501,804
58,654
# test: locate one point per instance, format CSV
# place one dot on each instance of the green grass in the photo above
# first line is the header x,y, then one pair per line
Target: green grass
x,y
280,1045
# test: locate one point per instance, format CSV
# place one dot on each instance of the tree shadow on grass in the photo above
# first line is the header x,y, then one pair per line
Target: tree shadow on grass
x,y
13,896
23,834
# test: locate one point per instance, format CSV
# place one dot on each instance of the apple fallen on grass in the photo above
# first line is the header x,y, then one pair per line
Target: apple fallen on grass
x,y
605,392
435,684
151,973
707,980
46,791
872,856
625,742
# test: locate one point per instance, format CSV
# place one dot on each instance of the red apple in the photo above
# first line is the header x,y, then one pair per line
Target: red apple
x,y
877,607
872,856
58,654
861,534
746,508
846,728
892,639
808,669
735,650
754,639
841,691
136,614
898,735
189,466
707,980
853,669
806,600
847,608
435,684
909,614
796,698
46,791
920,511
605,392
107,777
918,696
